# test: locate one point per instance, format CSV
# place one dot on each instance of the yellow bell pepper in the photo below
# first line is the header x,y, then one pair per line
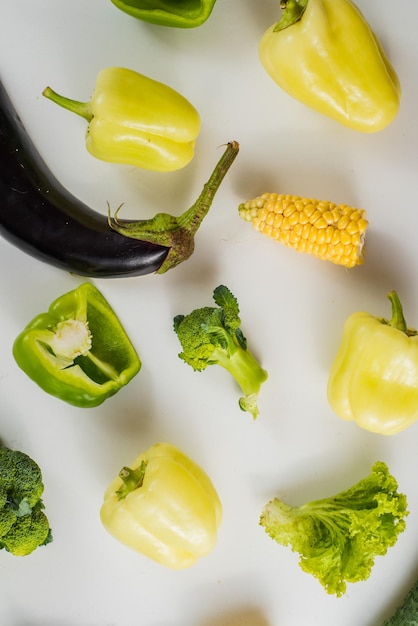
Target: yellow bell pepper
x,y
163,506
324,54
136,120
374,378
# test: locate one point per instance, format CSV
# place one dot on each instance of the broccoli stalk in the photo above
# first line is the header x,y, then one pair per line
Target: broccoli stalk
x,y
212,336
23,524
339,537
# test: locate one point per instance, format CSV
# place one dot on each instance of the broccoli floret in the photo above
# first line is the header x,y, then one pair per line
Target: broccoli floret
x,y
339,537
23,524
212,336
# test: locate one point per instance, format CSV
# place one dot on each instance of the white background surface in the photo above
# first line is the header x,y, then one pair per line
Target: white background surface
x,y
293,308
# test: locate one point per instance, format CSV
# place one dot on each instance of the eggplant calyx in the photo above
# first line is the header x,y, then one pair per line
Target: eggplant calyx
x,y
177,233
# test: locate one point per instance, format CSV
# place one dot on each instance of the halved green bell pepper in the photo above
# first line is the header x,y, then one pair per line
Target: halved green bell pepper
x,y
78,351
177,13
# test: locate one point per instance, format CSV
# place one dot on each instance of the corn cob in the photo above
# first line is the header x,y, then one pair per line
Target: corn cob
x,y
328,231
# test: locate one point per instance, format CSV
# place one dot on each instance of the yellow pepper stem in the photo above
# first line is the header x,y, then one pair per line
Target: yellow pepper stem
x,y
132,479
292,12
398,320
79,108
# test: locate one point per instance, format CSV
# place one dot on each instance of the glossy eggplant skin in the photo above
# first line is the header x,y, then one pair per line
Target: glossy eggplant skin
x,y
40,216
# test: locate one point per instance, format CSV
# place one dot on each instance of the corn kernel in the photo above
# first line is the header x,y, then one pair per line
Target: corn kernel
x,y
270,218
328,216
345,238
329,233
309,210
320,237
266,229
305,231
289,209
315,216
262,214
352,227
336,237
297,229
342,222
313,233
321,223
257,223
294,218
278,219
303,218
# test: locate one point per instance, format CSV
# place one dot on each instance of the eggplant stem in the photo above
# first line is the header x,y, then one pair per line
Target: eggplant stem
x,y
177,233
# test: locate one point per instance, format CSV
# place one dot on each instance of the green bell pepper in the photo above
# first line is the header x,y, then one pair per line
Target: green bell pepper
x,y
183,14
78,351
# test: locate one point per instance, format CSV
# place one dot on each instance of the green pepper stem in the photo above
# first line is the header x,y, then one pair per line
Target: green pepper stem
x,y
177,233
292,13
132,479
80,108
398,320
